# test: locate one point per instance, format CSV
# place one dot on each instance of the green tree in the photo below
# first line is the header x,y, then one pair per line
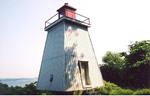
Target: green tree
x,y
139,53
112,70
114,60
138,65
129,69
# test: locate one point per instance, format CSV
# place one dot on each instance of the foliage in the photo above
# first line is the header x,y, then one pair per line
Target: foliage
x,y
142,92
129,69
113,89
4,89
107,88
114,60
112,70
139,54
121,92
28,89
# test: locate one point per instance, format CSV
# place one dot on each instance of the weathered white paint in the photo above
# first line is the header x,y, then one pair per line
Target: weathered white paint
x,y
53,60
67,43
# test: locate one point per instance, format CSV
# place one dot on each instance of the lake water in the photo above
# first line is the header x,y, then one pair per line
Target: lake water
x,y
18,82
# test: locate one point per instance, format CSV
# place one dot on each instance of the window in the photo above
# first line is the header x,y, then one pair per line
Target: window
x,y
70,13
51,78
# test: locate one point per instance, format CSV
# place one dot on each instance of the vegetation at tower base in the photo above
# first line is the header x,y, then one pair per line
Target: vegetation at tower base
x,y
129,69
108,89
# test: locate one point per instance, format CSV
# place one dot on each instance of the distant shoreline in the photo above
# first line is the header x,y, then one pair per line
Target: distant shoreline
x,y
17,81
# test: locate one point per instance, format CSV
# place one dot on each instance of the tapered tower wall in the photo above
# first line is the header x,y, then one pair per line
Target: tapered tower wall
x,y
78,47
52,67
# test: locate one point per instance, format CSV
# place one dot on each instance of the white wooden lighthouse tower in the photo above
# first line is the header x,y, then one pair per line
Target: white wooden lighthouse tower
x,y
69,61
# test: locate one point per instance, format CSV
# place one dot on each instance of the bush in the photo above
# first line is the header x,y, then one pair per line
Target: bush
x,y
113,89
107,88
121,92
142,92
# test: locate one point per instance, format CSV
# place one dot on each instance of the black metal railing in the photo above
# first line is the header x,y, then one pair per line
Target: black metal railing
x,y
79,18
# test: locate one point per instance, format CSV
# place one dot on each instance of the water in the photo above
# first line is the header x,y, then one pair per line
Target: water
x,y
17,82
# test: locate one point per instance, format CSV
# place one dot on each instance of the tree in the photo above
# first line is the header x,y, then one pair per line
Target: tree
x,y
112,70
129,69
139,53
138,64
114,60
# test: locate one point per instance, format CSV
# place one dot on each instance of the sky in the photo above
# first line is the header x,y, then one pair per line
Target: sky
x,y
114,25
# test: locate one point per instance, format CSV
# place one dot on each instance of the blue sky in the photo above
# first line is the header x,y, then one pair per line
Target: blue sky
x,y
115,23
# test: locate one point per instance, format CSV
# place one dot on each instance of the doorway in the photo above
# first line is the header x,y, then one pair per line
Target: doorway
x,y
84,72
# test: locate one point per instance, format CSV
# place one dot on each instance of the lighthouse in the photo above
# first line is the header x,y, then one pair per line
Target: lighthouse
x,y
69,62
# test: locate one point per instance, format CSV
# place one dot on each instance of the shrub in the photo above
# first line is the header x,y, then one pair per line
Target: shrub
x,y
121,92
142,92
113,89
107,88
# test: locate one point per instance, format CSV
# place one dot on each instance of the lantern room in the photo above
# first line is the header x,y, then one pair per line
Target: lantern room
x,y
67,11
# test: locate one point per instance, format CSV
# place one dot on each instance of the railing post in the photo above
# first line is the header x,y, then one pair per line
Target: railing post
x,y
89,21
45,24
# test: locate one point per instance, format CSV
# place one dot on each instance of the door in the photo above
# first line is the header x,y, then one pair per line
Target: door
x,y
84,73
